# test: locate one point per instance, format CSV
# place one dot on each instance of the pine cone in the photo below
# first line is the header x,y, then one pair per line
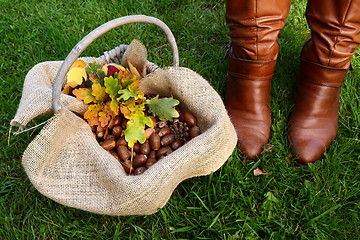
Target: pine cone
x,y
180,130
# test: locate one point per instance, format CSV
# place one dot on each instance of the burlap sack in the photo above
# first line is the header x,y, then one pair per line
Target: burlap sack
x,y
36,95
65,162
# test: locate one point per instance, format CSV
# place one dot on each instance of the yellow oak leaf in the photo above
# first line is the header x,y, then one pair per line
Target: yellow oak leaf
x,y
99,92
129,80
133,69
76,74
114,105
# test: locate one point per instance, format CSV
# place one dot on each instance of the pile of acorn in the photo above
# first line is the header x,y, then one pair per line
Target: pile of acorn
x,y
161,140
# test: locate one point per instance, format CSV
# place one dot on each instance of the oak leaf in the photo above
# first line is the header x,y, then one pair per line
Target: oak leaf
x,y
104,118
131,105
93,121
125,94
124,110
93,67
84,94
128,80
99,92
92,114
163,107
75,76
96,72
114,105
135,127
112,87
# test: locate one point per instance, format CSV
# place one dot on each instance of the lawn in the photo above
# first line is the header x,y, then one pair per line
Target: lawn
x,y
321,201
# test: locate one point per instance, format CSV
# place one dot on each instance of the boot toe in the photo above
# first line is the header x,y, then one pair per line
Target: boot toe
x,y
252,134
308,149
252,145
251,142
308,153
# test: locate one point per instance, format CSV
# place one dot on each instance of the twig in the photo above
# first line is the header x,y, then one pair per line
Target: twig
x,y
8,140
131,159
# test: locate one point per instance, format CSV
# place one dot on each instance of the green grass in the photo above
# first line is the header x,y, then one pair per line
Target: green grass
x,y
291,202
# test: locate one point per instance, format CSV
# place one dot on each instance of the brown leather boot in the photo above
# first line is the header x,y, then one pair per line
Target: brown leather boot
x,y
325,60
254,27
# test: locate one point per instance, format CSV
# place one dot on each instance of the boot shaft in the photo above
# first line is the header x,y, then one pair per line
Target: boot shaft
x,y
335,32
254,27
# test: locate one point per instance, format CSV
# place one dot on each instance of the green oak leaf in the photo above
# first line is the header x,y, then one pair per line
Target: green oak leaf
x,y
101,74
96,73
112,86
135,128
163,107
93,67
125,94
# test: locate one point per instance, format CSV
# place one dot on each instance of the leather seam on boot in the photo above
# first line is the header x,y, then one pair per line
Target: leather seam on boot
x,y
259,62
250,77
335,75
323,84
324,67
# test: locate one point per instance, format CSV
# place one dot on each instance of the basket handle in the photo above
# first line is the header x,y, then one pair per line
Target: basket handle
x,y
92,36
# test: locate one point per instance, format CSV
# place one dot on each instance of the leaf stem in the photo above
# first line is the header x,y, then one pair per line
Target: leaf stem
x,y
131,159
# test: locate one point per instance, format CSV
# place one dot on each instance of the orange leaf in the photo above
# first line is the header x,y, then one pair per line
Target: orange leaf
x,y
124,110
93,121
104,118
108,109
84,94
66,89
78,64
93,111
